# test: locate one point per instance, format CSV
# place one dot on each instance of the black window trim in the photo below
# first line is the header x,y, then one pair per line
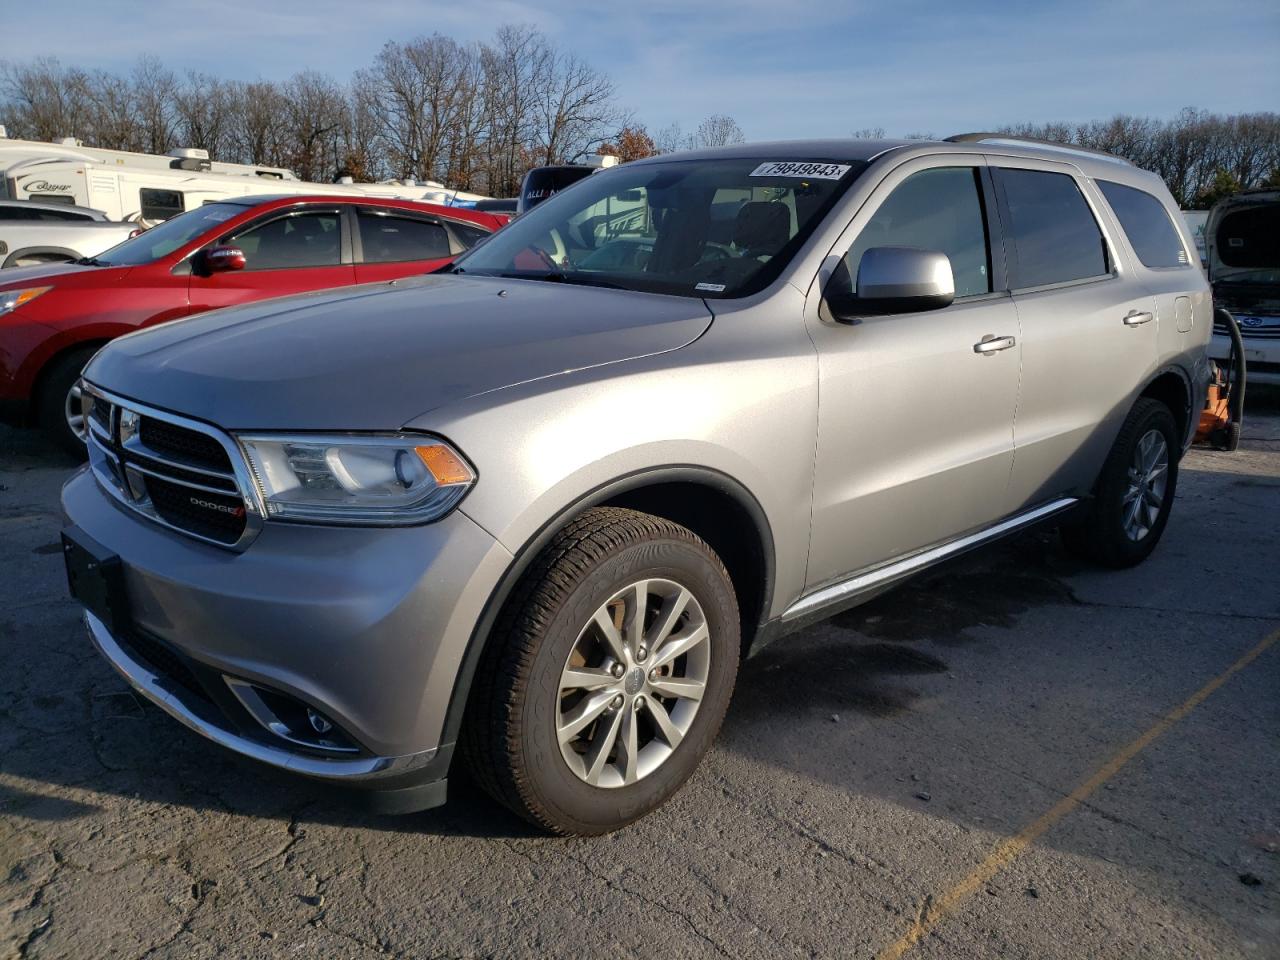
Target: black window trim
x,y
344,236
1002,200
1193,260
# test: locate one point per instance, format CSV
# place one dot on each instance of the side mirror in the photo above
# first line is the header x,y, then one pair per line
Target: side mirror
x,y
892,280
221,259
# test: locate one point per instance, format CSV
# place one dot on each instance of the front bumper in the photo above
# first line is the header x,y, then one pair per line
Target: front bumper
x,y
368,626
1261,356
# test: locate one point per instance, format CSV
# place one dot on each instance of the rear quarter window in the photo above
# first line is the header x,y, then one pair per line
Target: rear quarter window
x,y
1146,223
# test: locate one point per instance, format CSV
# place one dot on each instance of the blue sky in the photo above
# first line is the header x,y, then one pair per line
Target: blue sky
x,y
781,68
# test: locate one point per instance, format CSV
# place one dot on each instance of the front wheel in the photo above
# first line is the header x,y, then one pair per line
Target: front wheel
x,y
1134,492
608,674
58,401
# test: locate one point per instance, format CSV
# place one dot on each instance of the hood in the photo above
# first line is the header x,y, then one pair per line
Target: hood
x,y
45,273
374,358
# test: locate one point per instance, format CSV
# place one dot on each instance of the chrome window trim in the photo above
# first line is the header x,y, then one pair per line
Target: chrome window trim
x,y
107,468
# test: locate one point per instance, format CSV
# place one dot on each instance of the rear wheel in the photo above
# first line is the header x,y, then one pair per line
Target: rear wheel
x,y
608,675
1134,493
58,401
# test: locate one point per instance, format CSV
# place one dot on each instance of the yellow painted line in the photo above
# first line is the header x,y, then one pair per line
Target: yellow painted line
x,y
1004,854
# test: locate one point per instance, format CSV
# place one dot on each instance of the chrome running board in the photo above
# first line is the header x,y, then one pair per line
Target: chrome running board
x,y
861,583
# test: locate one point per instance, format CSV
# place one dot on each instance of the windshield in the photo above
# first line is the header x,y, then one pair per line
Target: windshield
x,y
695,228
1246,245
162,240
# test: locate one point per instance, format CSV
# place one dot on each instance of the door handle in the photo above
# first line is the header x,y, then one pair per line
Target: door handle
x,y
1136,318
992,344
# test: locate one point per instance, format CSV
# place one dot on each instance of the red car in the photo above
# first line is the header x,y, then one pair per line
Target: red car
x,y
54,318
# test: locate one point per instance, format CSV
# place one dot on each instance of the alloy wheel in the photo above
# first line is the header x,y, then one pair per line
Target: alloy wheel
x,y
73,412
1148,481
633,683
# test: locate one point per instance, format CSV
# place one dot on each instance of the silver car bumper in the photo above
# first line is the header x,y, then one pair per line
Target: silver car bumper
x,y
367,626
1261,356
208,721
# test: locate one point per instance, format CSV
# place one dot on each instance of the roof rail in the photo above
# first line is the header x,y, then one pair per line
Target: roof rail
x,y
1065,147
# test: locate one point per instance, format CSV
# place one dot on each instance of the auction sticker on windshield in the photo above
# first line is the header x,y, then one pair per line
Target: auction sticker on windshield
x,y
801,168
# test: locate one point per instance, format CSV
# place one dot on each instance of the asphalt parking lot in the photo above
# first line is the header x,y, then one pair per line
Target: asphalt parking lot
x,y
1016,757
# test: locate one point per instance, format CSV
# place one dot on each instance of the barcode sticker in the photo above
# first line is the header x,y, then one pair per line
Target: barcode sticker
x,y
812,170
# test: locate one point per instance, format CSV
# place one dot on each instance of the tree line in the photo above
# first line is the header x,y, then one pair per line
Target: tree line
x,y
477,116
473,116
1201,156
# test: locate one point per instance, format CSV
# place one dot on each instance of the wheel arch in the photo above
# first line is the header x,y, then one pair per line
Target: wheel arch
x,y
712,504
1172,387
63,252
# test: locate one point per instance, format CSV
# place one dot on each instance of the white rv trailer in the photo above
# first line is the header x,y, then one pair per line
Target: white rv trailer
x,y
148,188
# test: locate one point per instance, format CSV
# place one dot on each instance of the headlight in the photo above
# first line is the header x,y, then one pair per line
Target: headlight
x,y
11,300
353,478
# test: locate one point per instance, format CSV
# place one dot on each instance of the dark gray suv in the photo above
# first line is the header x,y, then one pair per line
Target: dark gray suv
x,y
535,509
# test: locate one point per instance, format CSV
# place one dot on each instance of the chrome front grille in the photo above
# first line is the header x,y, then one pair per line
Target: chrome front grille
x,y
1262,328
177,472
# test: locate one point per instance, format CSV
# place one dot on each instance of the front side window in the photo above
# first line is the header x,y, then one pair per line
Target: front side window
x,y
1147,225
696,228
312,239
1054,236
939,209
388,238
159,204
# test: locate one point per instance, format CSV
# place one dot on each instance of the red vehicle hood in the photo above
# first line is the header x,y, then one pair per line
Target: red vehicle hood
x,y
51,274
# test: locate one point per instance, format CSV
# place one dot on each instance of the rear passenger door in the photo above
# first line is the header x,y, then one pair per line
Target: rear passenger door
x,y
1088,331
392,243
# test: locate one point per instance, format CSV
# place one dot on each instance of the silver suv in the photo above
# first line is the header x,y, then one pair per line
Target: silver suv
x,y
535,509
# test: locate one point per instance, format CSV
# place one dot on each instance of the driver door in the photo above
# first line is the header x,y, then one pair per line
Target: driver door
x,y
288,252
915,428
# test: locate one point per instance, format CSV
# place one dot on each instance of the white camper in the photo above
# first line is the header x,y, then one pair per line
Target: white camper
x,y
146,188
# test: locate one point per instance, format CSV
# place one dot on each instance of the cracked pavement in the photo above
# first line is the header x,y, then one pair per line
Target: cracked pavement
x,y
866,766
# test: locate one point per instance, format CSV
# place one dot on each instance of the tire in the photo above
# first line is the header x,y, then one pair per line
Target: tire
x,y
1112,532
56,385
549,626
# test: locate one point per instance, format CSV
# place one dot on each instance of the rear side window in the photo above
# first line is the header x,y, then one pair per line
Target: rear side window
x,y
389,239
1055,238
36,213
1147,225
160,204
468,234
934,210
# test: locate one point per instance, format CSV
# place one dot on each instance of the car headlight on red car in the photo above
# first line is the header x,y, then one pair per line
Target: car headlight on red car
x,y
379,479
11,300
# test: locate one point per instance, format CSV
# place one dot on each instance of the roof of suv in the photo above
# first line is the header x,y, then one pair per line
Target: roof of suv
x,y
1093,164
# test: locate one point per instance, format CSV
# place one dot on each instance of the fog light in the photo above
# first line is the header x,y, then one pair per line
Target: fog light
x,y
319,723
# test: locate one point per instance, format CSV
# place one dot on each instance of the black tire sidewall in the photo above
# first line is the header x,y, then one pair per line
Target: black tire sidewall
x,y
553,785
1114,483
51,402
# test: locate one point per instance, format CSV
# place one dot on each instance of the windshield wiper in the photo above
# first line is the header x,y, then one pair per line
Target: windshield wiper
x,y
92,262
557,276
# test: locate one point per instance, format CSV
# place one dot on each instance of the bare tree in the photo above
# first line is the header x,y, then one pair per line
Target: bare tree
x,y
574,108
718,130
154,88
